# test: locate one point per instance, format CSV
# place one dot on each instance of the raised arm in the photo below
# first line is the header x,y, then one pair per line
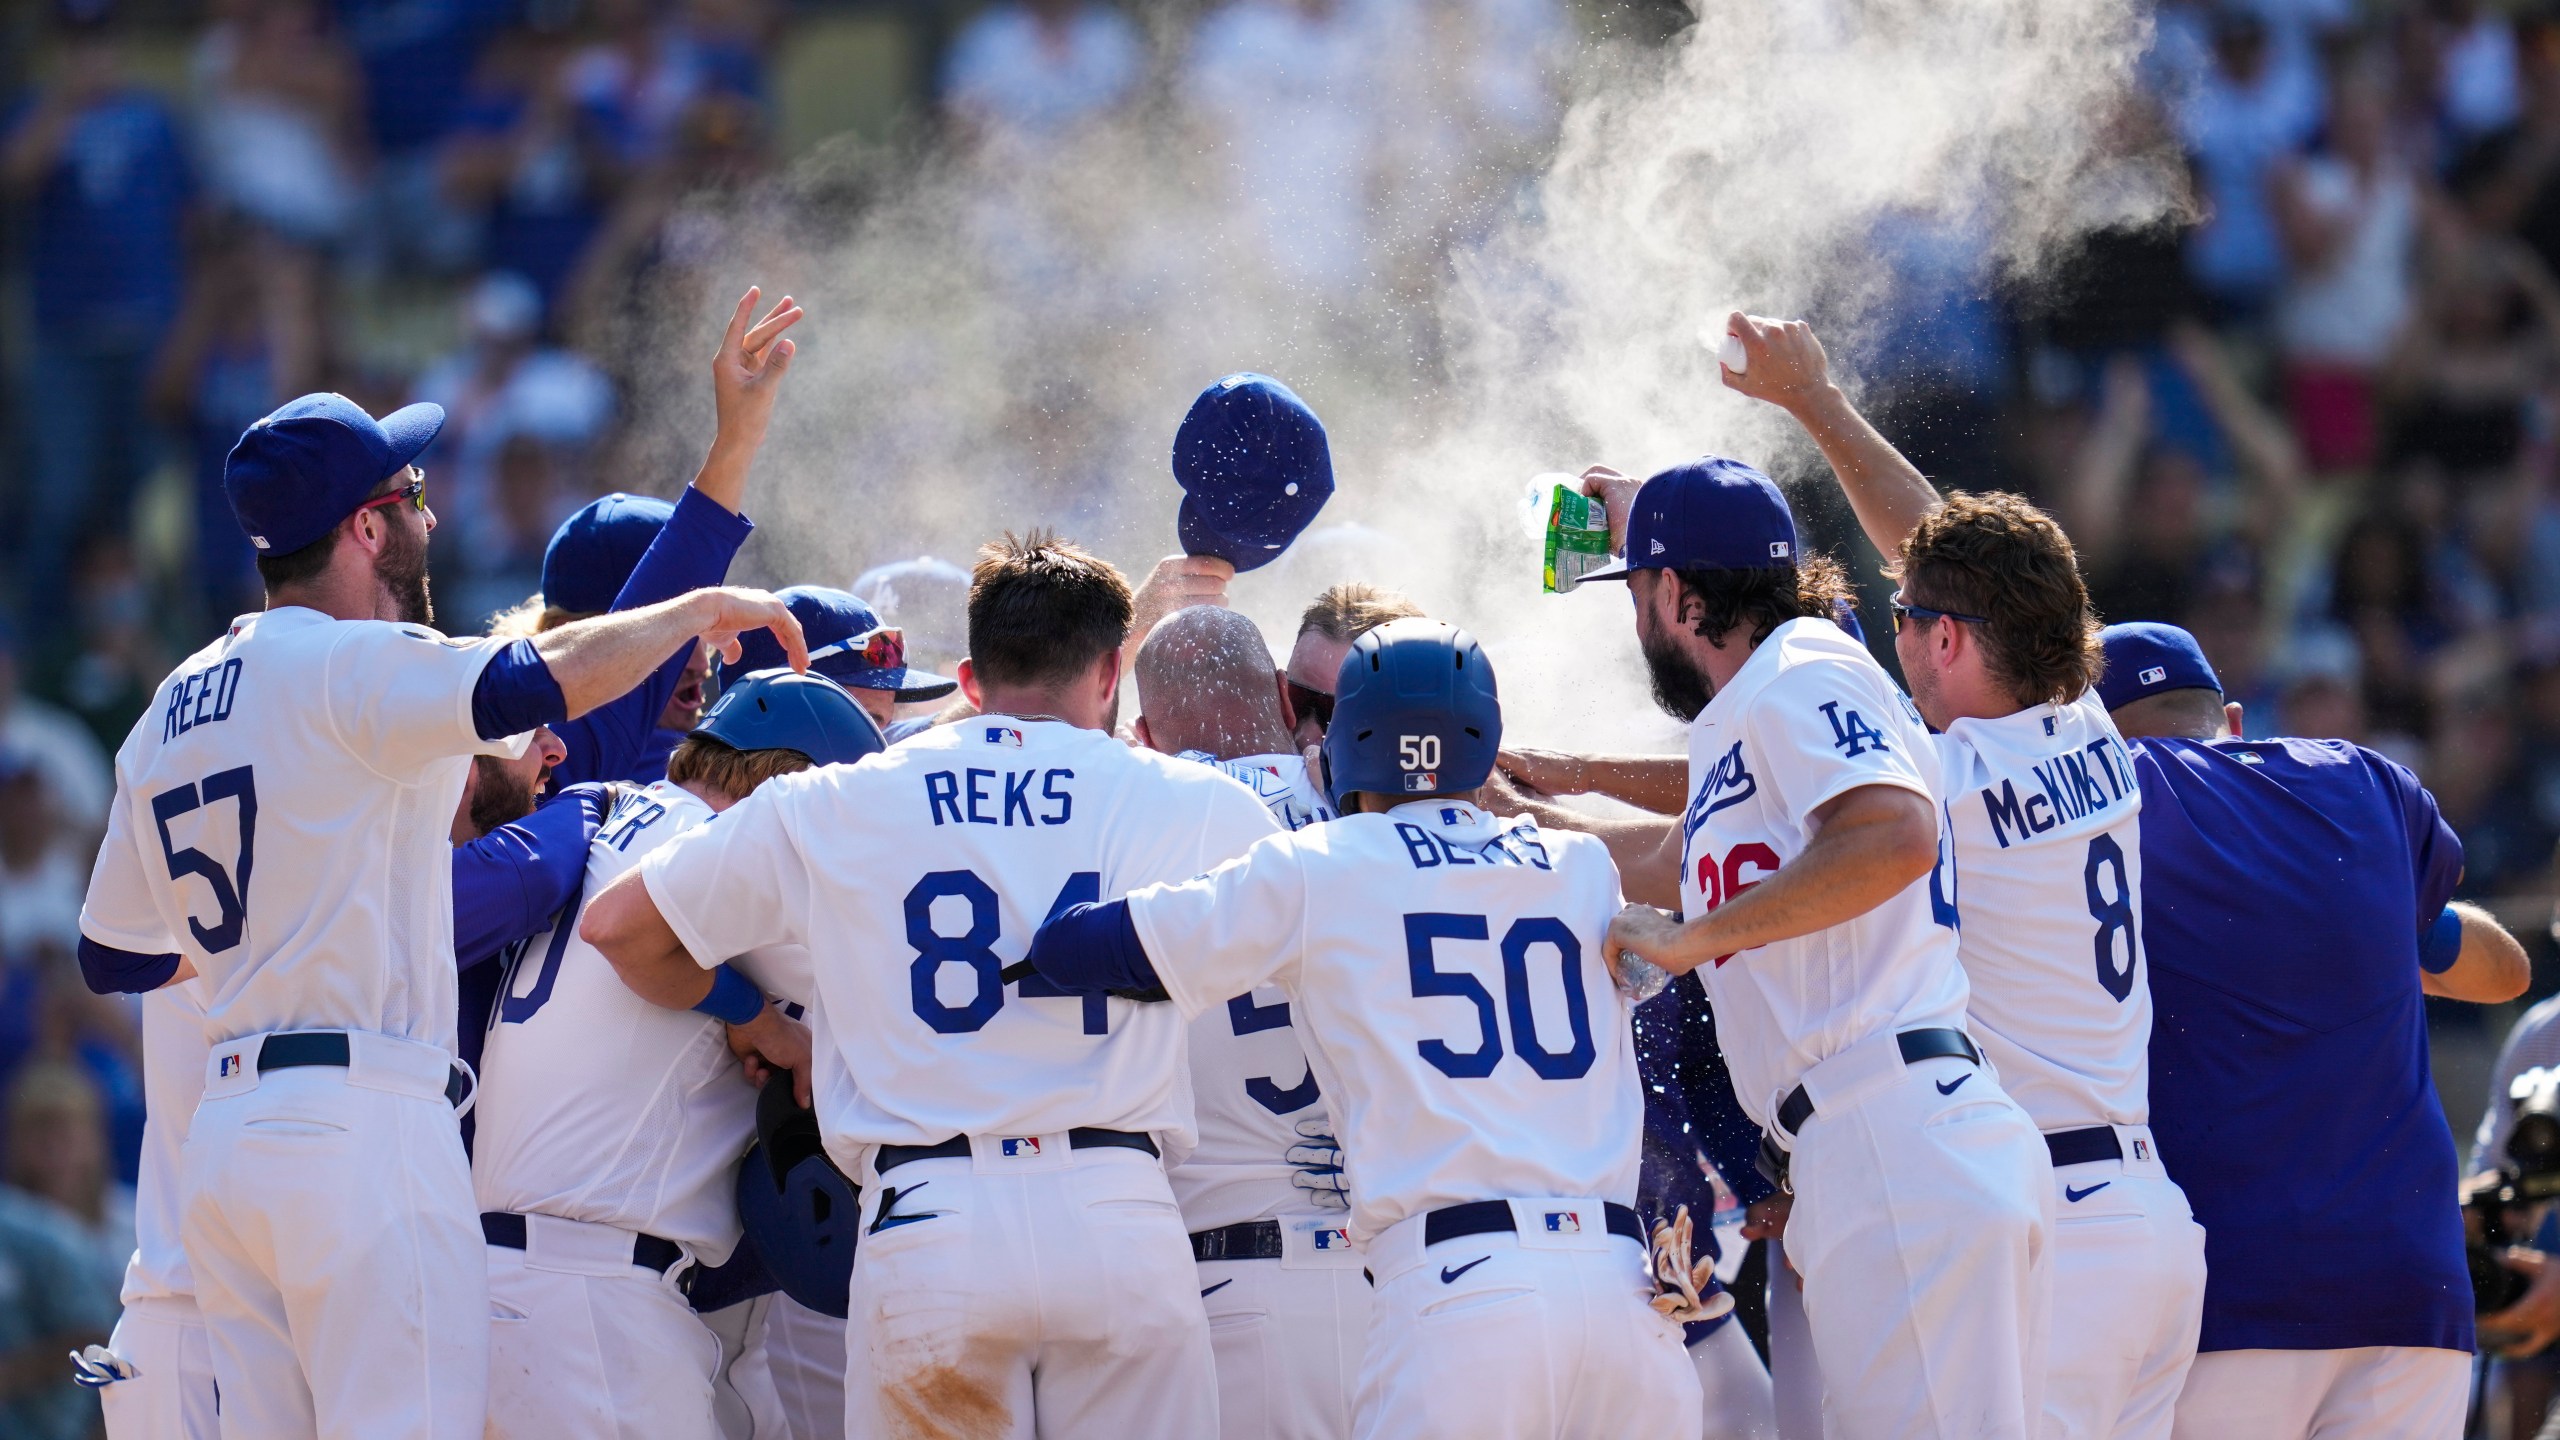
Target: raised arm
x,y
2487,966
596,659
1645,848
1659,783
1787,368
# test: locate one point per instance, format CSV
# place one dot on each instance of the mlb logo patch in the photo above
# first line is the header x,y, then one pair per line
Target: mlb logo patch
x,y
1422,782
2141,1149
2154,675
230,1066
1027,1146
1452,815
2048,725
1334,1239
1004,735
1564,1222
1779,550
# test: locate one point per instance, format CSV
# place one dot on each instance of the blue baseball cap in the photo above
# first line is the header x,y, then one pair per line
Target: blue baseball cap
x,y
1709,514
1254,469
847,644
2147,657
595,550
295,474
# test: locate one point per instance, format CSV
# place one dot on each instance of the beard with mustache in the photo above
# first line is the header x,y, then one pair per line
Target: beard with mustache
x,y
1679,686
402,570
499,796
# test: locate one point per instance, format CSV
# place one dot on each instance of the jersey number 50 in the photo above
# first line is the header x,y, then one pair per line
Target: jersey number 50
x,y
1429,980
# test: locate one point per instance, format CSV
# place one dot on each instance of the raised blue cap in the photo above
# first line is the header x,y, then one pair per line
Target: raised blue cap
x,y
595,550
847,644
1254,469
1709,514
2149,657
295,474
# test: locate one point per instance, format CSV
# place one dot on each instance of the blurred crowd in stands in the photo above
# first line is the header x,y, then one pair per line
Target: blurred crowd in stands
x,y
2315,418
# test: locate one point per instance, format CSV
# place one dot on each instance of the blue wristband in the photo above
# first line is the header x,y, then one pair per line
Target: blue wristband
x,y
734,998
2442,943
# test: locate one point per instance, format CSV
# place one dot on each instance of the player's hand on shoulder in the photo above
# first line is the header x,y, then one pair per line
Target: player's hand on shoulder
x,y
1786,361
1616,494
1177,583
1543,772
773,1044
747,370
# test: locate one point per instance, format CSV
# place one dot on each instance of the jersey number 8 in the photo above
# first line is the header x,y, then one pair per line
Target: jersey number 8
x,y
975,949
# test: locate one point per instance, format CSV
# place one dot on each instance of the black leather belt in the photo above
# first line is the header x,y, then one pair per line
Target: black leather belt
x,y
293,1049
1492,1217
1916,1046
1083,1137
2079,1147
1252,1240
505,1229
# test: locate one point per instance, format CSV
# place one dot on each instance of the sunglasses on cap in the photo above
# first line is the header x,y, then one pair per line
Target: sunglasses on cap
x,y
415,492
1902,607
882,647
1307,702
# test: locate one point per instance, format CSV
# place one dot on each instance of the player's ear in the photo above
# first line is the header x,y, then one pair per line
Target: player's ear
x,y
2231,718
1138,728
967,674
1288,710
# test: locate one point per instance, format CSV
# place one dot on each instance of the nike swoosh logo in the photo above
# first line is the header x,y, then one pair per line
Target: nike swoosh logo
x,y
889,1199
1214,1289
2076,1196
1950,1087
1448,1275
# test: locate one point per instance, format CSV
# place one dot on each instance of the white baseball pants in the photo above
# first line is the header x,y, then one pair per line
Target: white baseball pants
x,y
1739,1402
743,1395
2381,1392
2128,1296
1923,1227
585,1345
1048,1294
171,1395
804,1353
329,1221
1287,1335
1533,1335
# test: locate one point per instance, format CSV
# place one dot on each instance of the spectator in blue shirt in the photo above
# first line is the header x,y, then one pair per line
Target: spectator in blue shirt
x,y
2295,915
97,168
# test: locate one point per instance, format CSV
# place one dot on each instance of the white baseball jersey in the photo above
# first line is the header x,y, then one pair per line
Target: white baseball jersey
x,y
1810,717
2048,849
1444,970
326,757
1250,1080
596,1105
915,877
174,1048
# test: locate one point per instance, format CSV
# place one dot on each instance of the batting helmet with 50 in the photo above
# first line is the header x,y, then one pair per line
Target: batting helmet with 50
x,y
1414,713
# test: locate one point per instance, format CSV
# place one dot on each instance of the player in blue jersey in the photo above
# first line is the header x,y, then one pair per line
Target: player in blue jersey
x,y
2295,915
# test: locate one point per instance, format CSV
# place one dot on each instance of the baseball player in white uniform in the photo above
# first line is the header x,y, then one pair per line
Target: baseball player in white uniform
x,y
2000,651
327,1208
1287,1305
610,1128
1444,968
1821,912
1023,1268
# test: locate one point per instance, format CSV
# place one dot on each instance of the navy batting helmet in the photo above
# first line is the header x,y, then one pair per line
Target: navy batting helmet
x,y
1414,713
800,1213
785,710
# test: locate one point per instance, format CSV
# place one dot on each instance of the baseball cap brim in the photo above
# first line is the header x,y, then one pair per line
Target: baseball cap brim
x,y
411,429
1617,569
908,685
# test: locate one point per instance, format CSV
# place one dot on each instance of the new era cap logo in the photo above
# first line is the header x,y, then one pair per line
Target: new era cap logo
x,y
1027,1146
1657,548
2154,675
1564,1222
258,540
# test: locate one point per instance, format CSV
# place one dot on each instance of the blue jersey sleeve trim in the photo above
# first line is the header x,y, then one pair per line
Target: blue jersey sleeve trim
x,y
691,551
2441,944
1091,949
515,693
734,999
110,971
510,882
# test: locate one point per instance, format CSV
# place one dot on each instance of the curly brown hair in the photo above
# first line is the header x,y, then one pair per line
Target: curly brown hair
x,y
1766,599
2000,557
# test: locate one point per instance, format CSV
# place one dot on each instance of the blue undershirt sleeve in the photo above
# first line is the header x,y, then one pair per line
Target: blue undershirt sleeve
x,y
2440,943
1094,949
510,882
692,551
515,693
111,971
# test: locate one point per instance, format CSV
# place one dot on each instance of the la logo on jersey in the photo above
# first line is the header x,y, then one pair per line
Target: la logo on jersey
x,y
1027,1146
1564,1222
1004,735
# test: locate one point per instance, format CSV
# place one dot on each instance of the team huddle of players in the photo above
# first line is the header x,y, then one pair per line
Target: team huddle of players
x,y
1267,1067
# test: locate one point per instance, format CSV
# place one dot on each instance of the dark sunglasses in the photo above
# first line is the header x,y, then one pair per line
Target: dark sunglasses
x,y
1903,608
882,648
415,492
1308,703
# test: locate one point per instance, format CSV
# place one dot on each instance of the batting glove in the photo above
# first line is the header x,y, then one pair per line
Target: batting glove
x,y
1318,1160
1677,1280
96,1367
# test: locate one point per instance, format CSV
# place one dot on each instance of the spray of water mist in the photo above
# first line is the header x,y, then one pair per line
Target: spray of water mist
x,y
1008,338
